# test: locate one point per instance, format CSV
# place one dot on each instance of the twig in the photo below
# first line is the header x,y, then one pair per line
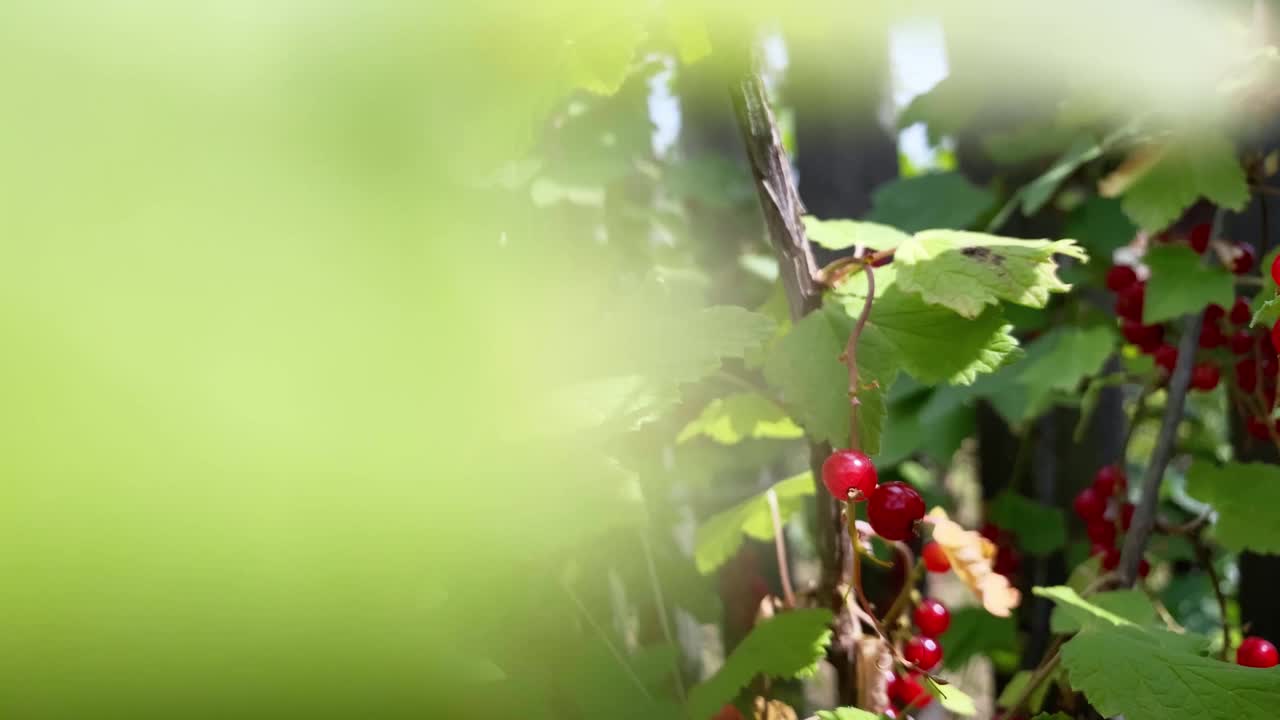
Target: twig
x,y
850,358
1042,673
662,611
1205,557
780,545
901,602
1163,612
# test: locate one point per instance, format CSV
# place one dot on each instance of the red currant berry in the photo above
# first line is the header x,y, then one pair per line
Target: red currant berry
x,y
1120,277
1111,559
924,652
1257,427
992,532
1144,568
1098,549
1247,375
1108,479
1240,311
1101,532
1213,312
935,559
932,617
1241,342
1275,270
1126,515
894,510
1198,238
910,693
1242,261
1089,505
1269,365
1275,335
1166,356
1257,653
849,475
1129,302
1211,334
1204,377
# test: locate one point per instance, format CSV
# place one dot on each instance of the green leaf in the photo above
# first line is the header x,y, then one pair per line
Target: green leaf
x,y
1076,611
975,631
1100,225
1267,314
905,325
951,698
1131,605
689,31
935,200
787,645
1055,716
1029,142
1017,684
730,419
599,56
945,109
721,535
847,713
1040,529
804,365
1062,358
842,234
1037,193
1204,164
1246,497
1122,671
1180,283
966,270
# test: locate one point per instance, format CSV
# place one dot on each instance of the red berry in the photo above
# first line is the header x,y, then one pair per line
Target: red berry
x,y
909,693
1120,277
1108,479
932,617
1144,568
1098,549
849,475
1257,427
1089,505
1244,257
1204,376
1241,342
1275,335
924,652
1211,334
728,712
1111,559
1240,310
1146,337
1257,653
1198,238
1008,561
1101,532
1129,302
1126,515
1247,375
1166,357
935,560
1269,365
894,510
1213,312
992,532
1275,270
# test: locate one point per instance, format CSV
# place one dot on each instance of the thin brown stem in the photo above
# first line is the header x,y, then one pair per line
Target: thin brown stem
x,y
1042,673
780,545
1204,556
901,602
850,358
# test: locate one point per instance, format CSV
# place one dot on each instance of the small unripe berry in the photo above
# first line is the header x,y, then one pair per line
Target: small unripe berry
x,y
935,560
894,510
924,652
1120,277
1257,653
849,475
1089,505
932,618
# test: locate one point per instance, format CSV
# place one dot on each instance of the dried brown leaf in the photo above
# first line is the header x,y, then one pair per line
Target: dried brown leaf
x,y
971,557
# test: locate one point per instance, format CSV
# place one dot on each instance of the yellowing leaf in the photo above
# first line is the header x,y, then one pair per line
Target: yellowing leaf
x,y
971,557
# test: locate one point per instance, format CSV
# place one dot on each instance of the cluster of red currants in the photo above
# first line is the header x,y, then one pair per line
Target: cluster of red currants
x,y
893,508
1106,513
924,651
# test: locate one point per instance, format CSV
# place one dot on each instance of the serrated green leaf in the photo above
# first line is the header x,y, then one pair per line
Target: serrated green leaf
x,y
935,200
842,234
804,365
730,419
1246,497
1040,529
951,698
1203,164
847,713
1267,313
1123,672
966,271
1062,358
1180,283
720,536
1131,605
1076,611
974,631
787,645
